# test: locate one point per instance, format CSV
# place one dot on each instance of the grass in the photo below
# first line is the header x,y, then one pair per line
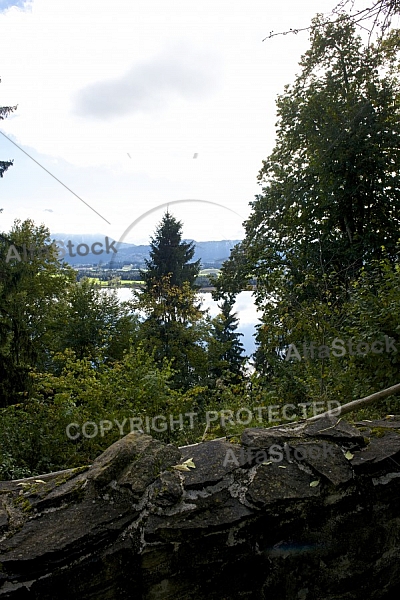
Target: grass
x,y
121,283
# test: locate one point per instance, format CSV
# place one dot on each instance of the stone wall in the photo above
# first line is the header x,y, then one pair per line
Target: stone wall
x,y
302,512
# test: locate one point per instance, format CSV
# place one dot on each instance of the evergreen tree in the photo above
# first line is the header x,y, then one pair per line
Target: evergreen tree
x,y
226,351
173,329
170,256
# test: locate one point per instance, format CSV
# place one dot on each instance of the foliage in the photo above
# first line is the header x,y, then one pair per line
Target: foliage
x,y
32,284
33,433
370,313
329,213
91,323
321,242
331,195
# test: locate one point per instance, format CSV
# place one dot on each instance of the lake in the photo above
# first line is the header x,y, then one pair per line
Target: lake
x,y
244,307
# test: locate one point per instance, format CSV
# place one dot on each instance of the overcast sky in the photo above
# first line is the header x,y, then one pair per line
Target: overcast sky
x,y
133,104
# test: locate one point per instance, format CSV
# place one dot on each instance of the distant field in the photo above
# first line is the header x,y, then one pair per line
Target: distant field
x,y
134,282
123,283
210,272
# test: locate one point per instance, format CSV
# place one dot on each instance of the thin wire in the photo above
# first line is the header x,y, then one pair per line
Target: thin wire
x,y
54,177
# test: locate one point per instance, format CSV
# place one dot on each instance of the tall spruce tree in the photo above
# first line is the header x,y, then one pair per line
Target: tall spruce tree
x,y
173,329
226,351
170,256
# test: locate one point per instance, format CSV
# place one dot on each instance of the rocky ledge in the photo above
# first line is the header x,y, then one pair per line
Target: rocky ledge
x,y
303,512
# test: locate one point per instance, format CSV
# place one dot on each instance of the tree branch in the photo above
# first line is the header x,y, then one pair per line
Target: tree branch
x,y
384,9
356,404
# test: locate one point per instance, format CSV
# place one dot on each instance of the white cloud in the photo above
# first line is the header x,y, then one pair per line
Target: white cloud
x,y
150,85
158,79
9,4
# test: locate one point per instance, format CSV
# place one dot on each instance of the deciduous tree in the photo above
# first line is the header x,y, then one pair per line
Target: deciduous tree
x,y
31,286
330,202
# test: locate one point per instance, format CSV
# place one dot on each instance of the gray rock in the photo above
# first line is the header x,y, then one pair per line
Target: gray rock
x,y
310,524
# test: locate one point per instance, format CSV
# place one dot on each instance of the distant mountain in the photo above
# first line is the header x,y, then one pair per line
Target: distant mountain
x,y
97,249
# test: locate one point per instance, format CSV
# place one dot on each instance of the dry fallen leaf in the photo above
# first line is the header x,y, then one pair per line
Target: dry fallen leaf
x,y
181,468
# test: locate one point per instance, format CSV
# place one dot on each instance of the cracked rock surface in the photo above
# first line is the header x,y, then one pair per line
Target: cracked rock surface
x,y
299,512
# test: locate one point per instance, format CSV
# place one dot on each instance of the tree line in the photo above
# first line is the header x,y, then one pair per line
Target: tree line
x,y
322,241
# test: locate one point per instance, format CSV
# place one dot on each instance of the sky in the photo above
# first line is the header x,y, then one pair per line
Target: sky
x,y
135,105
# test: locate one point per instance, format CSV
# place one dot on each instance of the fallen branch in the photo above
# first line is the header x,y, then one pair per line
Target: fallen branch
x,y
356,404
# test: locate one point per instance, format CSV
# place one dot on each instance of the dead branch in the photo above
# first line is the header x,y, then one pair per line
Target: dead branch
x,y
356,404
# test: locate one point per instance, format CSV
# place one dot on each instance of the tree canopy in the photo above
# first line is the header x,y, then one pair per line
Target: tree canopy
x,y
31,287
328,215
330,197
